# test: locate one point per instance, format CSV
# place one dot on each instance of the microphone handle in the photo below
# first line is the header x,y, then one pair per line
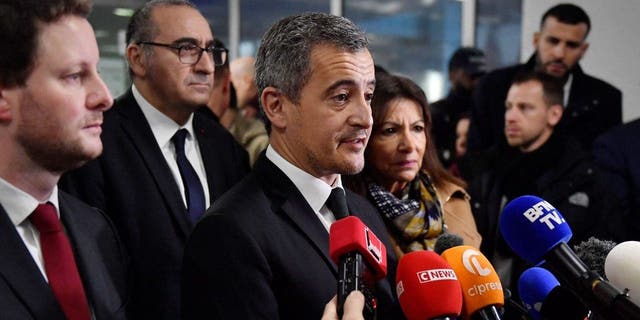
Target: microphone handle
x,y
487,313
351,269
619,307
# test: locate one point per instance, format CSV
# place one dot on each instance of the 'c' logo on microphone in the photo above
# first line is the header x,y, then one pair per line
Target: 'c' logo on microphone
x,y
471,263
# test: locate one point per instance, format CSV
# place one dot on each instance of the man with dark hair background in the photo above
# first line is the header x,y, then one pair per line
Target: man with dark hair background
x,y
591,105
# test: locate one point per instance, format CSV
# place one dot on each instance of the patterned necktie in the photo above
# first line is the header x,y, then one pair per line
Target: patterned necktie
x,y
337,203
60,264
192,186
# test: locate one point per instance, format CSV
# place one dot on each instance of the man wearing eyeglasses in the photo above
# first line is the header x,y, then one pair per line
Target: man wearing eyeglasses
x,y
163,164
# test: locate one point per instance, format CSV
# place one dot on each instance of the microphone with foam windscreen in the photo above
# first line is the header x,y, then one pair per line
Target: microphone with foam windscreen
x,y
361,258
427,287
446,241
536,232
593,253
622,267
545,299
481,288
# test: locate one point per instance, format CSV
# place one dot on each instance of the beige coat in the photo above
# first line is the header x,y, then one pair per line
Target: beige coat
x,y
457,213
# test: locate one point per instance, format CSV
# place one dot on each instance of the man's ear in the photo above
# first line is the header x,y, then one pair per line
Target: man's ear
x,y
7,99
536,39
136,59
554,114
273,104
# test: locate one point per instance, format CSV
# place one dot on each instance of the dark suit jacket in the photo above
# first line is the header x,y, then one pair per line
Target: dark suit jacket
x,y
594,106
617,154
24,293
261,253
133,184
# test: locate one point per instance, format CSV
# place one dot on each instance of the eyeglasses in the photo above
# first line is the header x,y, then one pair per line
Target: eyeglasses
x,y
190,53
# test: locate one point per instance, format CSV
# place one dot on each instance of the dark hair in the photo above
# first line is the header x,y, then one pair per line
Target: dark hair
x,y
552,87
223,69
567,13
283,60
388,88
21,22
141,26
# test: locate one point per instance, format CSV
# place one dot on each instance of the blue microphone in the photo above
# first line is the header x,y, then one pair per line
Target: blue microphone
x,y
537,232
544,298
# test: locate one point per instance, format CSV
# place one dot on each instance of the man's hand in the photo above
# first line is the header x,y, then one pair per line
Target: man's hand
x,y
353,307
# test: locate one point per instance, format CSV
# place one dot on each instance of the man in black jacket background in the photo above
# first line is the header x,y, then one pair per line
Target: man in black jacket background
x,y
591,105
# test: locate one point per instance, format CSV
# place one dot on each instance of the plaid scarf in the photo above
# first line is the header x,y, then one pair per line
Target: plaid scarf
x,y
415,220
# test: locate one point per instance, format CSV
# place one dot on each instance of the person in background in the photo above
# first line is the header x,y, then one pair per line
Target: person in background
x,y
617,153
222,96
262,250
403,178
591,105
459,167
540,161
243,76
222,106
60,258
466,66
163,163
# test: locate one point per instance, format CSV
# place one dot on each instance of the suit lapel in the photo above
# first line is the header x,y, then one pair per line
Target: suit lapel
x,y
286,199
21,273
97,282
213,166
137,128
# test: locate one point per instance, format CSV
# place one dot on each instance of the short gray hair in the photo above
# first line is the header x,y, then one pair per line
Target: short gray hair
x,y
284,57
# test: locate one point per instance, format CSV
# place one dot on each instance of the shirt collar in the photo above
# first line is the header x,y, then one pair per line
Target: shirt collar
x,y
313,189
163,127
19,205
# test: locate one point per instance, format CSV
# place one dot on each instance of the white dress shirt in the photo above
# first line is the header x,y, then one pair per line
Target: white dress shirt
x,y
19,205
314,190
163,129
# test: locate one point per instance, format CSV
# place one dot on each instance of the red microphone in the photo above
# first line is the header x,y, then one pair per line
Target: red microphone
x,y
427,287
361,258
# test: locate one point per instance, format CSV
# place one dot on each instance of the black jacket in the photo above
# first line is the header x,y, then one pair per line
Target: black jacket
x,y
133,184
569,181
594,106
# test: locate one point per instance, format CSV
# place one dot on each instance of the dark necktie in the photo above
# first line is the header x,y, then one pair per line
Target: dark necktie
x,y
337,203
192,186
60,264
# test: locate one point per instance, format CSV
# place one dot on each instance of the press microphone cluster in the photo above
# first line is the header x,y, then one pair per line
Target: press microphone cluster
x,y
361,259
537,232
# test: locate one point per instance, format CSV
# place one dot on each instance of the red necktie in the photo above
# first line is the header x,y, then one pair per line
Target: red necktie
x,y
59,263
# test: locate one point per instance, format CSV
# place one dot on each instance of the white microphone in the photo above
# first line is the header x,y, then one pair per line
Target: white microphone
x,y
622,268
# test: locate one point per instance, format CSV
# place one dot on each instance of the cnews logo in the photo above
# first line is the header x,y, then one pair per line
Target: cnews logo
x,y
436,275
471,263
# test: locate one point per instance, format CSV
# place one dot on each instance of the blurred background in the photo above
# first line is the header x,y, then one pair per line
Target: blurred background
x,y
411,37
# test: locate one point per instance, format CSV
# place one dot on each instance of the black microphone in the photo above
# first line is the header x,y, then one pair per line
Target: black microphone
x,y
446,241
593,253
536,231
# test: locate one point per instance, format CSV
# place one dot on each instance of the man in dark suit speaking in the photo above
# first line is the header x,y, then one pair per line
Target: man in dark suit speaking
x,y
262,250
162,164
59,258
